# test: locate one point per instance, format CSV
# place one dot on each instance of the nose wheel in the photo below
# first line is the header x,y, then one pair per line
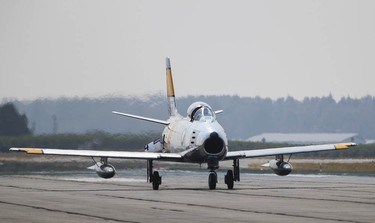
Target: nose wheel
x,y
212,180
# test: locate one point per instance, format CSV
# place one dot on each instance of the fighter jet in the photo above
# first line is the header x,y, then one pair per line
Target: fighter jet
x,y
196,138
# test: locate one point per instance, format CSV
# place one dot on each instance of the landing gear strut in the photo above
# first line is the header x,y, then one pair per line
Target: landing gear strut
x,y
153,176
236,170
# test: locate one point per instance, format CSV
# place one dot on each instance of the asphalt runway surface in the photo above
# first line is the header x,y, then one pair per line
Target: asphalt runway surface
x,y
184,197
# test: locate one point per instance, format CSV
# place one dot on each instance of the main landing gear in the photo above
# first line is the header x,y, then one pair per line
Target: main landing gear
x,y
229,181
153,176
234,175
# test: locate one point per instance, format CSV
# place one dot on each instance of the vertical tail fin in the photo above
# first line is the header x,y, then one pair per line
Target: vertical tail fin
x,y
172,109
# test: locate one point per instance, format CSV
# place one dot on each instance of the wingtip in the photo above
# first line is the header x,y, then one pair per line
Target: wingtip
x,y
27,150
345,145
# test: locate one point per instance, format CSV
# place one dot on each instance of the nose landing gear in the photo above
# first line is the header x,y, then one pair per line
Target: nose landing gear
x,y
230,177
212,180
212,165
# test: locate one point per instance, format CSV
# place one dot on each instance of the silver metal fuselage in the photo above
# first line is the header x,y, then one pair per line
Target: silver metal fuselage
x,y
196,140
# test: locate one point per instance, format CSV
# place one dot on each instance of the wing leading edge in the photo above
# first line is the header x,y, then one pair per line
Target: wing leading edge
x,y
287,150
103,154
179,157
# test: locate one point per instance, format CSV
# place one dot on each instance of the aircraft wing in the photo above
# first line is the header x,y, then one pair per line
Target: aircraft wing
x,y
286,150
102,154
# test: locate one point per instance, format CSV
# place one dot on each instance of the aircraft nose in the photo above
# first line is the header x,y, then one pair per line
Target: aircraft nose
x,y
214,144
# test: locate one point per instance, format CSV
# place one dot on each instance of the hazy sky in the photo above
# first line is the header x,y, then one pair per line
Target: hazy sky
x,y
249,48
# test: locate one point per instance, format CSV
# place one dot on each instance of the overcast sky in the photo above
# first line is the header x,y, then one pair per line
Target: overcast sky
x,y
248,48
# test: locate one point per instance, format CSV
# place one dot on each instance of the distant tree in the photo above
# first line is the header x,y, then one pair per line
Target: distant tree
x,y
11,122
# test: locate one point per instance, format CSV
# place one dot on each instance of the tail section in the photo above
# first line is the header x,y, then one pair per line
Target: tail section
x,y
172,109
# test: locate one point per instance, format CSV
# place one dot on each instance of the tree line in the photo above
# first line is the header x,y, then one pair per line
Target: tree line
x,y
243,117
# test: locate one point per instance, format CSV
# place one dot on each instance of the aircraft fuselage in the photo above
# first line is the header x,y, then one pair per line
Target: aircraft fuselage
x,y
197,139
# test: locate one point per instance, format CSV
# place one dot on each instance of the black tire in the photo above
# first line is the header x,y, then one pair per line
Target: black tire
x,y
156,180
229,180
212,180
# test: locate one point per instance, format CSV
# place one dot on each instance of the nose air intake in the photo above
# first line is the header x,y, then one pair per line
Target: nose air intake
x,y
213,144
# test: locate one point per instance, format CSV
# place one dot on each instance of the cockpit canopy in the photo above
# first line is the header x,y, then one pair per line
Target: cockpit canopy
x,y
199,110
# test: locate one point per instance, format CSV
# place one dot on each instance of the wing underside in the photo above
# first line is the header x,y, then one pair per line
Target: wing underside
x,y
287,150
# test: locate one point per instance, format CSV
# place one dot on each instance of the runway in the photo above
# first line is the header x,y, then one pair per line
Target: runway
x,y
184,197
